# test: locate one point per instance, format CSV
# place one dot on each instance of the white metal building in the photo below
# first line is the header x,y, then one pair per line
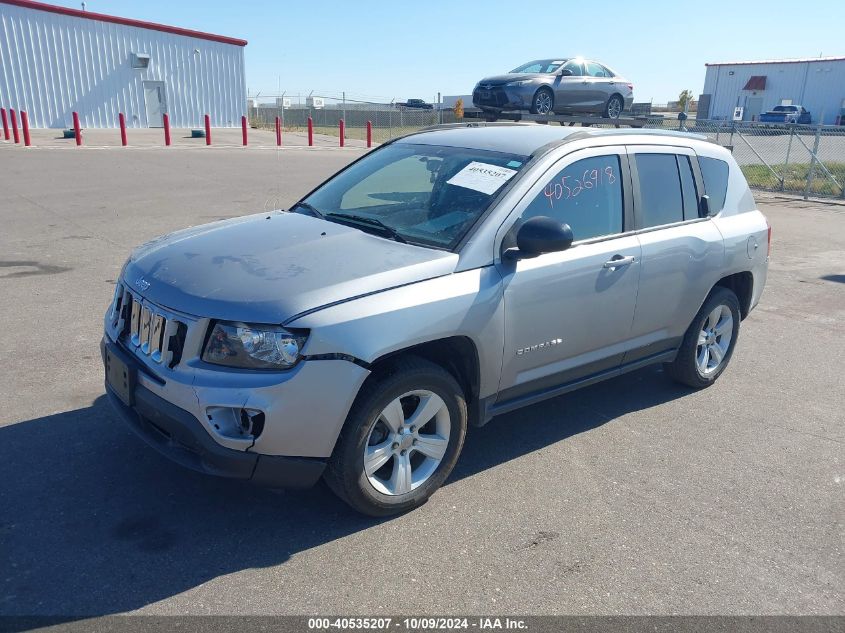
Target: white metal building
x,y
817,83
55,60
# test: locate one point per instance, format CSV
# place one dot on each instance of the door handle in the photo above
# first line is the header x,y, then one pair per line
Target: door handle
x,y
618,262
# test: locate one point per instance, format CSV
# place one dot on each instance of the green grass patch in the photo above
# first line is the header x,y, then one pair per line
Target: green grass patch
x,y
795,177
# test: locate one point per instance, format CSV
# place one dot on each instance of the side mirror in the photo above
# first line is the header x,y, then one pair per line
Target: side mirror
x,y
565,73
538,235
704,206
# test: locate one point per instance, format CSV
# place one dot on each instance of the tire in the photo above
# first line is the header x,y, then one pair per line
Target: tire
x,y
687,368
383,490
614,107
543,102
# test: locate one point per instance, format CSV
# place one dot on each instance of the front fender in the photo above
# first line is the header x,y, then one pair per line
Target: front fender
x,y
467,304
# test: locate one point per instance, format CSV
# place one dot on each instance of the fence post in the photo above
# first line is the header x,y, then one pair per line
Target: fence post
x,y
810,176
342,131
14,118
122,120
278,131
5,124
788,151
207,130
25,126
243,129
166,120
77,130
310,131
369,133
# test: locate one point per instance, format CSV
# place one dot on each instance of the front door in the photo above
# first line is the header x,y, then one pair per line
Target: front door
x,y
156,103
753,108
571,91
568,314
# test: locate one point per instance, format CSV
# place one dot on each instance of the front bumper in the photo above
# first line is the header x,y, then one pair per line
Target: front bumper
x,y
179,435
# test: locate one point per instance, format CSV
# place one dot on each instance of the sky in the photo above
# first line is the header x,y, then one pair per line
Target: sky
x,y
402,49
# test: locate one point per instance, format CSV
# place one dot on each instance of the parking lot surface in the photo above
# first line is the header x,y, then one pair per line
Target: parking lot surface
x,y
635,496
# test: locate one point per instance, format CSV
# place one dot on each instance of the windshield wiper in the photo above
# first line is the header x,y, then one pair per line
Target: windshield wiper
x,y
386,230
310,208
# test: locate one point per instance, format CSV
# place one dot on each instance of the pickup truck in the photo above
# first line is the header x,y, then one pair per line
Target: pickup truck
x,y
786,114
444,278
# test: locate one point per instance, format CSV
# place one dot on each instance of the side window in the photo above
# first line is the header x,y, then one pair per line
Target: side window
x,y
661,201
688,188
586,195
715,174
575,67
595,70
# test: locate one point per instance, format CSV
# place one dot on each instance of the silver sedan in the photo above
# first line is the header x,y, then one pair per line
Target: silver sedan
x,y
562,86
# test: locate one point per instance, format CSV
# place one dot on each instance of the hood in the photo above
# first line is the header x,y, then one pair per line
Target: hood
x,y
267,268
498,80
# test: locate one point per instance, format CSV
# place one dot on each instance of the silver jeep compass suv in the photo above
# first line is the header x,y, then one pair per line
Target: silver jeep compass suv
x,y
440,280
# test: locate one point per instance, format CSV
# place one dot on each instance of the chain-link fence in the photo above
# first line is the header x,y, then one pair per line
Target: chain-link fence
x,y
801,159
387,122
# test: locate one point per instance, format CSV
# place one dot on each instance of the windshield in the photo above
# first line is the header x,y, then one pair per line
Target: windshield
x,y
425,194
546,66
785,109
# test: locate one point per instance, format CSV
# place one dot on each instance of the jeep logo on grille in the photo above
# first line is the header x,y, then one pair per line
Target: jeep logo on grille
x,y
142,284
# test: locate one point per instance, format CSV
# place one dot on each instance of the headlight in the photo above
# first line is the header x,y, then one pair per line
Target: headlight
x,y
522,82
253,346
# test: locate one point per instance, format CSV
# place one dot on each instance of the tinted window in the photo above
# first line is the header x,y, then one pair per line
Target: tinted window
x,y
574,67
587,195
715,174
660,189
688,188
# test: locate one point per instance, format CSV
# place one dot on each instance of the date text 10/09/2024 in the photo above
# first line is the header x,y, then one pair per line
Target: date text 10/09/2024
x,y
417,624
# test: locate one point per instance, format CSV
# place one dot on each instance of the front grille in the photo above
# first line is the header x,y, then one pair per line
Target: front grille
x,y
495,97
145,328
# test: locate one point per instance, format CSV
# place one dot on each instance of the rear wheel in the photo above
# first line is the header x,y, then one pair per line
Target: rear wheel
x,y
709,342
613,108
401,439
543,102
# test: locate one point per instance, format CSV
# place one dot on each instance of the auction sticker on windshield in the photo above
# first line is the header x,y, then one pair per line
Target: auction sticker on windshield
x,y
482,177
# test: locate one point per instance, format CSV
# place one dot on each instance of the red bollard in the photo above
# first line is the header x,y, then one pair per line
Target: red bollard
x,y
25,126
14,118
76,129
122,120
207,130
243,129
342,128
165,118
5,123
369,133
310,131
278,131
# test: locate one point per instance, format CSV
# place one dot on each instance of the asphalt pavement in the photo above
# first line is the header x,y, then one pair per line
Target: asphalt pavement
x,y
635,496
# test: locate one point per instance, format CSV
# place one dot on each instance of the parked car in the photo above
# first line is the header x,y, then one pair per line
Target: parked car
x,y
440,280
416,103
786,114
562,86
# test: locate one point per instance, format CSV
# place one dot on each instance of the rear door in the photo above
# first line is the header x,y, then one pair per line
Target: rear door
x,y
568,314
601,84
682,252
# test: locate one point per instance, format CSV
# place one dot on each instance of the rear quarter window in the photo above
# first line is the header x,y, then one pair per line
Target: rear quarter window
x,y
715,174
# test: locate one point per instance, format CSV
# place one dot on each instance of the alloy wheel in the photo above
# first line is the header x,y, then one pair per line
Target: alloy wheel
x,y
407,442
714,340
614,108
543,102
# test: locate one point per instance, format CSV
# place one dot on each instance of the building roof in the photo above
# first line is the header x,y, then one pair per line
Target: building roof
x,y
100,17
801,60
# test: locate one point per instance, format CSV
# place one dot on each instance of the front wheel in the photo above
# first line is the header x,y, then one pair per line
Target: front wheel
x,y
400,440
613,108
543,102
709,342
